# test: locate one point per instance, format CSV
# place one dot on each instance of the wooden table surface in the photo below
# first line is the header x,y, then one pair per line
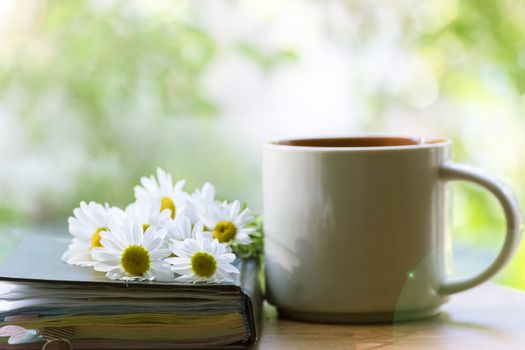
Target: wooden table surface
x,y
486,317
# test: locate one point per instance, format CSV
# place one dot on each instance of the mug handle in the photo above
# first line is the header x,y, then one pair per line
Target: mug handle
x,y
451,171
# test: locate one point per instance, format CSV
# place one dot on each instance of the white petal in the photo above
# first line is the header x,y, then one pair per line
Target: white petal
x,y
248,230
105,267
242,238
181,270
149,237
103,254
180,185
162,275
78,254
116,274
226,258
244,218
179,264
159,254
187,278
138,233
111,242
234,209
228,268
224,277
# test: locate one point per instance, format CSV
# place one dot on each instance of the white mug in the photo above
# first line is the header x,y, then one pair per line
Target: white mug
x,y
356,228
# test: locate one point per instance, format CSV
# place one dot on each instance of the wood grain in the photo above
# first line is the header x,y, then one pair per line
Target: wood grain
x,y
487,317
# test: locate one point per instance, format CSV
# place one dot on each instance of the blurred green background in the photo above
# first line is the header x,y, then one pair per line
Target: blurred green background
x,y
95,94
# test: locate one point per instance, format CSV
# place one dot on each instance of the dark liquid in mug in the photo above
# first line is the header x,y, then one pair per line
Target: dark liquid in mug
x,y
372,141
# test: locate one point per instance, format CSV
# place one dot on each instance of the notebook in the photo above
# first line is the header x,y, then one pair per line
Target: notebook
x,y
53,300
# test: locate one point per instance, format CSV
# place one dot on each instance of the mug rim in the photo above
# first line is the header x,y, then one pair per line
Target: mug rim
x,y
422,142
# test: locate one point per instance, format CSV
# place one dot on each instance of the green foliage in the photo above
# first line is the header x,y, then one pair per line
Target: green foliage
x,y
267,60
492,36
97,60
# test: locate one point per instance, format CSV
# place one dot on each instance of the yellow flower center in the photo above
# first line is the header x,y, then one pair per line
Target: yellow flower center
x,y
96,239
135,260
224,231
145,227
167,203
203,264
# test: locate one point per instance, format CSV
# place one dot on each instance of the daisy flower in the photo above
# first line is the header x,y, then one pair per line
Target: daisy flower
x,y
205,195
147,213
86,226
181,228
128,253
163,191
202,259
227,224
203,200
